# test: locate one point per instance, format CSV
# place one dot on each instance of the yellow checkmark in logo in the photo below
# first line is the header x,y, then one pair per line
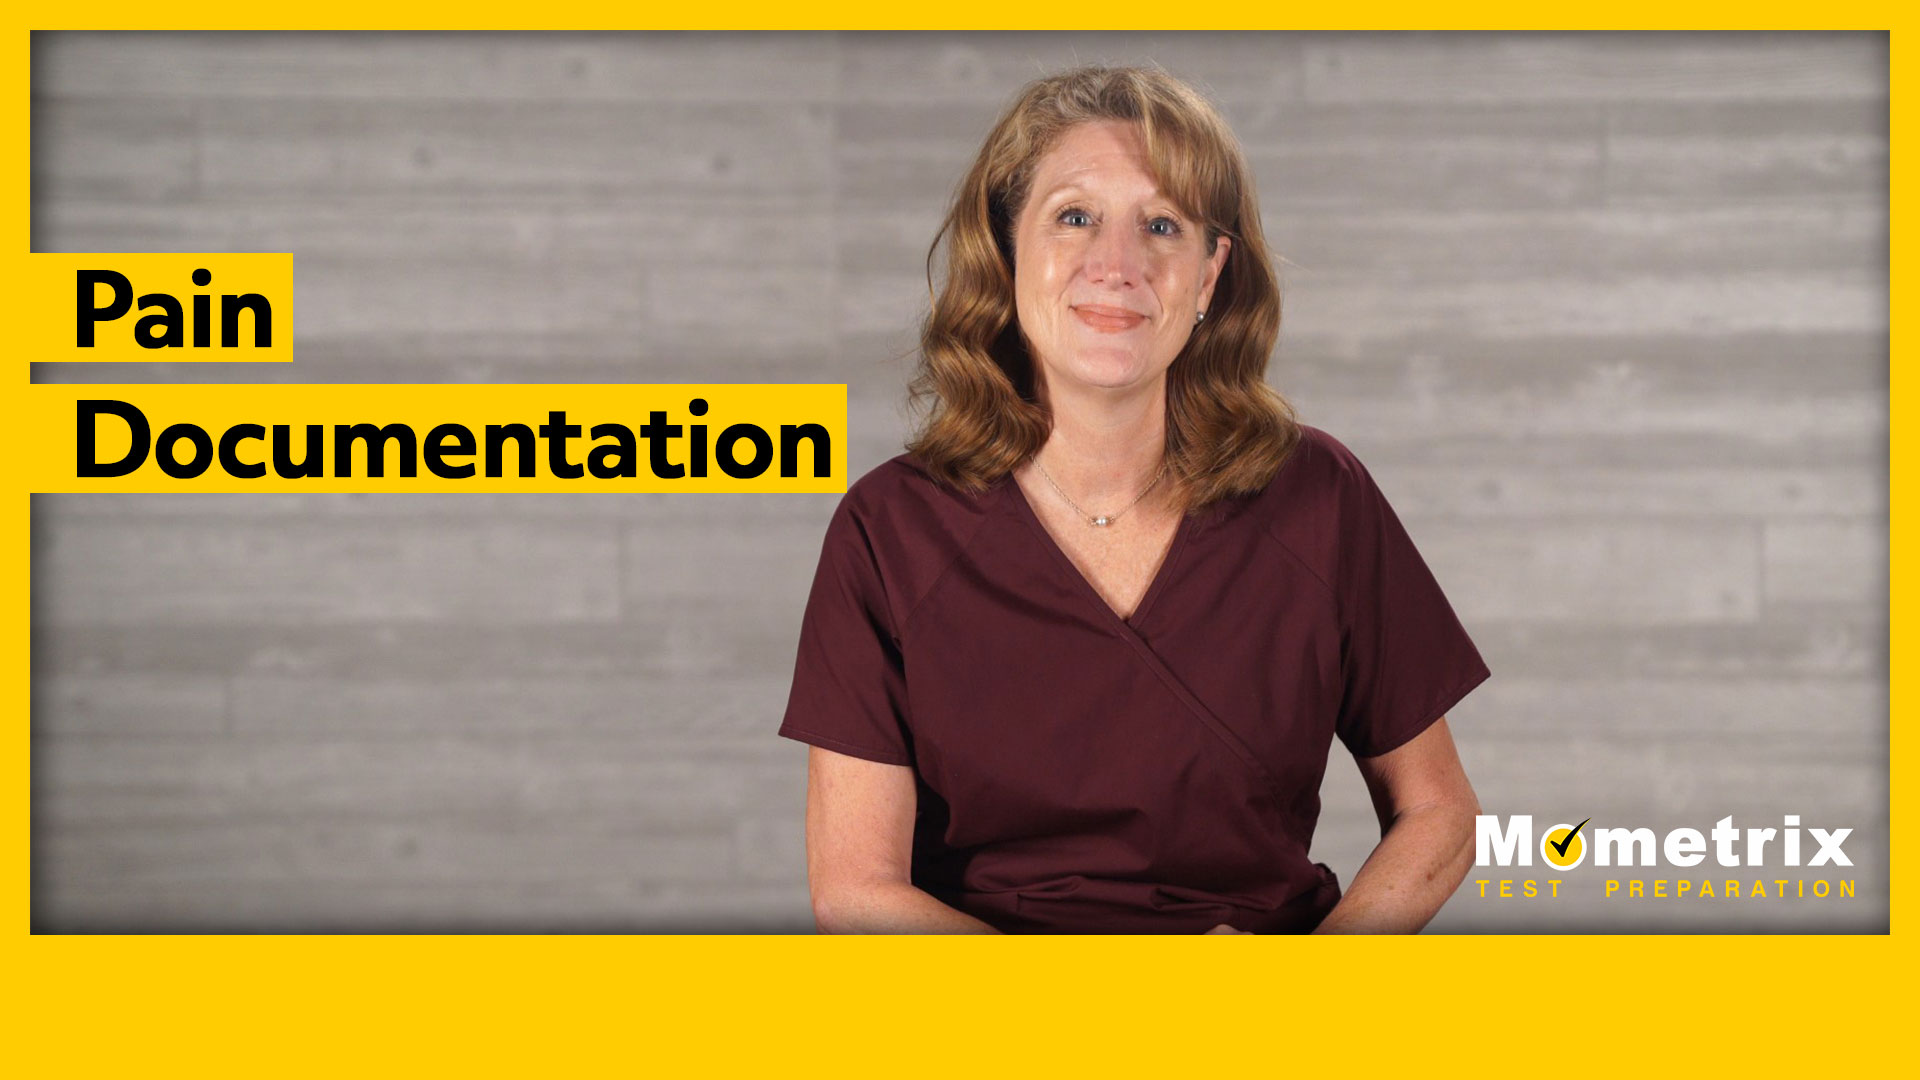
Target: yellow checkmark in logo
x,y
1563,847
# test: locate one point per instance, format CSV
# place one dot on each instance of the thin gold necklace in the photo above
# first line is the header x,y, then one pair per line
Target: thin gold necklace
x,y
1101,519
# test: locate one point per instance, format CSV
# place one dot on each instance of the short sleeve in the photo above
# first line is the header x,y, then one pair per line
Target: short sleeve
x,y
1405,659
849,684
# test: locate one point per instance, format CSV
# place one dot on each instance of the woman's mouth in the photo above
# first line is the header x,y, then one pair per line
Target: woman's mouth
x,y
1108,319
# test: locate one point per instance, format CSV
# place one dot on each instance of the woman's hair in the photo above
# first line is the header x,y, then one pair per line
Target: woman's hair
x,y
1227,430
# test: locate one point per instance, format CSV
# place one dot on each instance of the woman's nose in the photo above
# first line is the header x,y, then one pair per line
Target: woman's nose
x,y
1116,257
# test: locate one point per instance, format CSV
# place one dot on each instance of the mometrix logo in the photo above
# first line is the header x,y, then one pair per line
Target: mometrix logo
x,y
1566,847
1563,846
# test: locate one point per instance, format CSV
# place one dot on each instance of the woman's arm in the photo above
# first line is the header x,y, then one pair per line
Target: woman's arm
x,y
1427,810
860,851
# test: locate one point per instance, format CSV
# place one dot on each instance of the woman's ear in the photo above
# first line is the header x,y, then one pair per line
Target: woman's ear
x,y
1216,262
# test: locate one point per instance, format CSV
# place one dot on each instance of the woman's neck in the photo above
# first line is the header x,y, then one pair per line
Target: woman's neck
x,y
1106,446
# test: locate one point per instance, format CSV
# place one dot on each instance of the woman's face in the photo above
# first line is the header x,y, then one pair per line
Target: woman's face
x,y
1108,275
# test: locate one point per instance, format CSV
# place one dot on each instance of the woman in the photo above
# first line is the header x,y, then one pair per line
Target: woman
x,y
1075,661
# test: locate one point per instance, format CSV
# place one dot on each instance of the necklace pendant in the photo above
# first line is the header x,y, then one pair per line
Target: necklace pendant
x,y
1101,520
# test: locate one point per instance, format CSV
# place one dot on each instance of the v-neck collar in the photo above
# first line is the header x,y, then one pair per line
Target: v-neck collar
x,y
1015,498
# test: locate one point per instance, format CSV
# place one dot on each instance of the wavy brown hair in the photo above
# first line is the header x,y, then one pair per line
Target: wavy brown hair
x,y
1227,431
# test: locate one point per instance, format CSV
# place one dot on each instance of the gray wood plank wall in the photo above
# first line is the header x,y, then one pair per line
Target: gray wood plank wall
x,y
1606,315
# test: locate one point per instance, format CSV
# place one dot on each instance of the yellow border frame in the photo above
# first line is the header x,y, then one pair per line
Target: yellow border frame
x,y
923,1006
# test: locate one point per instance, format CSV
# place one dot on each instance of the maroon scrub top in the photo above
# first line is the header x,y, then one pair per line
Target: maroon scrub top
x,y
1080,772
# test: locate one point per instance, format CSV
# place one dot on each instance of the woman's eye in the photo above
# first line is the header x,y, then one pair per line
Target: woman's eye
x,y
1164,226
1075,217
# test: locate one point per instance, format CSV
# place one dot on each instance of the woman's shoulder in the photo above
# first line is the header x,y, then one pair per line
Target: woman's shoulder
x,y
1318,473
901,492
1314,499
910,526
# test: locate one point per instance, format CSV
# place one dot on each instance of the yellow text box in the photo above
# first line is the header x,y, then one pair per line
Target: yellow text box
x,y
657,437
119,307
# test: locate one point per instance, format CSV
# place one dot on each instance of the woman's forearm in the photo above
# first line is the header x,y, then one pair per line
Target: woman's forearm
x,y
1417,865
889,907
